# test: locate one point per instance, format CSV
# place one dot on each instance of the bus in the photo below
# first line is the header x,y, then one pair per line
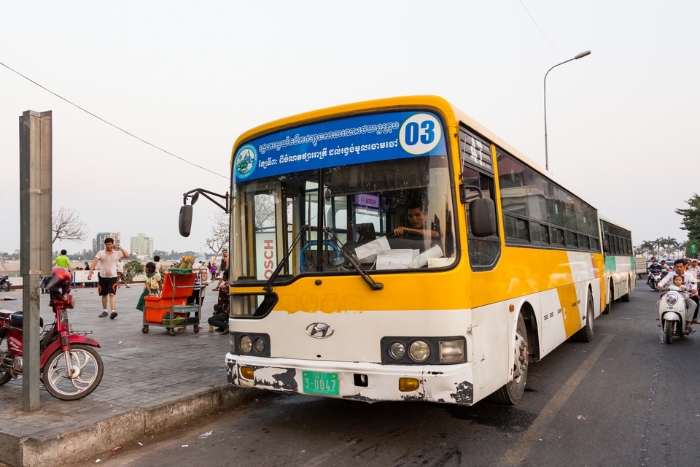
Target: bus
x,y
397,250
620,265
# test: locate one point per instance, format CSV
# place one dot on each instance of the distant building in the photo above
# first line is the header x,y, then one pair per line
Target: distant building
x,y
99,242
142,245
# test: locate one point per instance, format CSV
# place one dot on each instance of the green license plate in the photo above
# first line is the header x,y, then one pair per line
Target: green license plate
x,y
320,383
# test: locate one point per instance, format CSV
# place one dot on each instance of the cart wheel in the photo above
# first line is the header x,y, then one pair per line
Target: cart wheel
x,y
196,328
144,329
171,331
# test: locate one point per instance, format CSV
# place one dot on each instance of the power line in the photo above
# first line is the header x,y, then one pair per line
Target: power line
x,y
111,124
540,29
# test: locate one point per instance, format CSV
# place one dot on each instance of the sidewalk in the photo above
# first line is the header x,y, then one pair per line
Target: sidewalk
x,y
151,382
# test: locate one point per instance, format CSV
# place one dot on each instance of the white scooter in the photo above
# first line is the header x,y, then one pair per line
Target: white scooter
x,y
672,314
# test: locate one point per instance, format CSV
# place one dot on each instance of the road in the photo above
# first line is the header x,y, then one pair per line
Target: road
x,y
624,399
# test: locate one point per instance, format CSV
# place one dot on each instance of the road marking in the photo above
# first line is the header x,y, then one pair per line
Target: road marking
x,y
318,460
518,452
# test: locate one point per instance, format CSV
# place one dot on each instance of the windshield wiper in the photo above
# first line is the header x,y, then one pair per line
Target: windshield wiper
x,y
355,264
280,265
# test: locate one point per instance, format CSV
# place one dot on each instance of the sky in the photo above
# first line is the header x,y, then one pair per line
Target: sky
x,y
190,77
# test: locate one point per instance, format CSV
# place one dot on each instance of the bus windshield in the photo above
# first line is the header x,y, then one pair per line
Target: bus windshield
x,y
395,213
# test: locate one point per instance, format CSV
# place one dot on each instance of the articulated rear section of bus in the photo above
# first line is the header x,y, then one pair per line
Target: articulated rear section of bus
x,y
346,273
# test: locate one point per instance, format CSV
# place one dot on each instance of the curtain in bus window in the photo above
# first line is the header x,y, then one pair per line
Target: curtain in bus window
x,y
382,176
523,190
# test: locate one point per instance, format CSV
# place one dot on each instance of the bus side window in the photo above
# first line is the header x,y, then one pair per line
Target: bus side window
x,y
483,252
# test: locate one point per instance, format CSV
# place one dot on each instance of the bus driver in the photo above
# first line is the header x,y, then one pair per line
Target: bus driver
x,y
417,218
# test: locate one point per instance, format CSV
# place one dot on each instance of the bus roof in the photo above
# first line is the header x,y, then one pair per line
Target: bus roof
x,y
603,218
451,112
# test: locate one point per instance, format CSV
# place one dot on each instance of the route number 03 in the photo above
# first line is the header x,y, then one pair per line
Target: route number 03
x,y
420,134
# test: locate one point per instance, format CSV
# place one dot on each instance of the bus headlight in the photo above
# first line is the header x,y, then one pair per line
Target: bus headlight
x,y
245,344
452,351
397,350
250,343
259,345
419,351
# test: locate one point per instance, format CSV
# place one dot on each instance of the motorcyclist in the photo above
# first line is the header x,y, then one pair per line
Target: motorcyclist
x,y
653,269
691,288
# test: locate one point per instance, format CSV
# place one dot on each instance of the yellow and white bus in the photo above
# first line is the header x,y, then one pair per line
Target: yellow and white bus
x,y
398,250
620,265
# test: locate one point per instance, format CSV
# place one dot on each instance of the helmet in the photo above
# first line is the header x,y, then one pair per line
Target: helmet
x,y
58,282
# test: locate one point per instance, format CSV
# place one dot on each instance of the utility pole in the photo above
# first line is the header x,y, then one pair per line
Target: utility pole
x,y
35,136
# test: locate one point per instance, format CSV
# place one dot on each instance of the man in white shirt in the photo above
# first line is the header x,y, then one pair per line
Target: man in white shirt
x,y
107,277
690,287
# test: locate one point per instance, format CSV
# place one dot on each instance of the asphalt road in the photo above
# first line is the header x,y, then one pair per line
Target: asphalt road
x,y
624,399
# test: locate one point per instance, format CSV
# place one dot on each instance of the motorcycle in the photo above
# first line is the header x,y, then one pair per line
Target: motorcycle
x,y
654,279
672,314
70,366
5,284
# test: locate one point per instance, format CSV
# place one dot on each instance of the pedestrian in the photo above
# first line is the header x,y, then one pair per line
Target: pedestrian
x,y
221,311
212,270
151,285
62,261
120,274
223,268
107,277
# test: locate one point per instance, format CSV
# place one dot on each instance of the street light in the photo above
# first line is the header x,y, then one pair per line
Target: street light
x,y
546,153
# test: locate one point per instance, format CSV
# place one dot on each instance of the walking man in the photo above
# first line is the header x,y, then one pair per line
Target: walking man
x,y
107,277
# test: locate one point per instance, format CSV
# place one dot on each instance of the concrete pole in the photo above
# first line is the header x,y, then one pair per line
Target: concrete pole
x,y
35,141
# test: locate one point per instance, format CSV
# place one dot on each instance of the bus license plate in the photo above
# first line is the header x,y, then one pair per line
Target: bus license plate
x,y
320,383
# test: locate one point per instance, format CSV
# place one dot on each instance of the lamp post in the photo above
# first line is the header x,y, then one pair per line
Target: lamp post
x,y
546,153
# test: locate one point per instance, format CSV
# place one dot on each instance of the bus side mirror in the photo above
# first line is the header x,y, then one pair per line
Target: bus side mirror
x,y
606,246
482,217
185,221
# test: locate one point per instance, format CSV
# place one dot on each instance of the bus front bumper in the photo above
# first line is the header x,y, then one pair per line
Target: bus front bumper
x,y
436,383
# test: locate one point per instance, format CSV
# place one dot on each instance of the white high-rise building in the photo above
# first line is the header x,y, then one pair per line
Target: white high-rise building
x,y
142,245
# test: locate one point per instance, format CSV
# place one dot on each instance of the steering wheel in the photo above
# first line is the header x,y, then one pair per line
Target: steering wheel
x,y
408,233
336,250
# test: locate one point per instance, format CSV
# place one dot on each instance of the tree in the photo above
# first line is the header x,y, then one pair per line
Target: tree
x,y
219,235
691,221
66,225
134,267
647,247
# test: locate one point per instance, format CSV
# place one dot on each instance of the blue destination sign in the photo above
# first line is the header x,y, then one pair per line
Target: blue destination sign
x,y
347,141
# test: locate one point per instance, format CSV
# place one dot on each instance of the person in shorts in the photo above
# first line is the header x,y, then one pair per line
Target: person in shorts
x,y
107,277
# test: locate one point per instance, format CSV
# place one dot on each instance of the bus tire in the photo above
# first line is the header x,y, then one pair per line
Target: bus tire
x,y
626,297
585,334
511,392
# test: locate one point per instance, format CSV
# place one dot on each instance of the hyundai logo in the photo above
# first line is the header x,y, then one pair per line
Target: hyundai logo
x,y
319,330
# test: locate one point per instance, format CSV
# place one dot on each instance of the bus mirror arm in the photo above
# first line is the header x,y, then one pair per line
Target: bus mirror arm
x,y
194,196
465,196
357,266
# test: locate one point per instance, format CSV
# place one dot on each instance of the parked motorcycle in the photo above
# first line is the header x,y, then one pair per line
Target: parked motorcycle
x,y
672,314
70,365
5,283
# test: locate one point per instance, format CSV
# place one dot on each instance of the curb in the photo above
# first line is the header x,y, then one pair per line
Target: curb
x,y
76,445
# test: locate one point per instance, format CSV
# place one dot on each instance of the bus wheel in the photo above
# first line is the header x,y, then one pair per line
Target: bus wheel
x,y
512,392
585,334
626,297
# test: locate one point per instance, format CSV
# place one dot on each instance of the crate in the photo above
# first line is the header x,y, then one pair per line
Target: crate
x,y
183,284
180,271
157,307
